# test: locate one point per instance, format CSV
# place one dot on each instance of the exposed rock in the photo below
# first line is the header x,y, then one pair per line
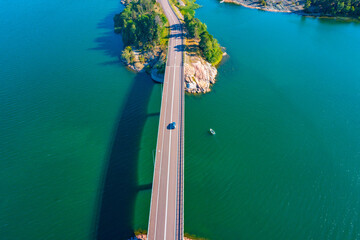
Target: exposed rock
x,y
141,237
296,6
191,85
199,75
125,2
138,66
181,3
142,59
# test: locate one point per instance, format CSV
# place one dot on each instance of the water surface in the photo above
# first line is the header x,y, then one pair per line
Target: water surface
x,y
77,130
285,161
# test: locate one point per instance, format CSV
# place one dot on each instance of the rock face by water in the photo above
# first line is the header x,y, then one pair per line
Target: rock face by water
x,y
296,6
141,59
199,75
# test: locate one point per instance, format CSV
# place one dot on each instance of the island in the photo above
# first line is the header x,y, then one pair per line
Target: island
x,y
318,8
145,34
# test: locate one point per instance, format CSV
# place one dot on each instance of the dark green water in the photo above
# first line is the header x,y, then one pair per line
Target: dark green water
x,y
77,129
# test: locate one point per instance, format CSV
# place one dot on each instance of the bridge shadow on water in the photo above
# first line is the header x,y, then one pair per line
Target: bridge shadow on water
x,y
114,213
119,190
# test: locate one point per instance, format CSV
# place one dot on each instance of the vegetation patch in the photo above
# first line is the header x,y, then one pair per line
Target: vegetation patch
x,y
193,237
145,33
209,47
318,8
344,8
140,232
142,23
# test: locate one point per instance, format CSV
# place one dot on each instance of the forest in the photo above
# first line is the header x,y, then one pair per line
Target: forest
x,y
343,8
142,24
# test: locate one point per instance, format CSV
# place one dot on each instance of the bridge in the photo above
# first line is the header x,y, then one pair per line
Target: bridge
x,y
166,220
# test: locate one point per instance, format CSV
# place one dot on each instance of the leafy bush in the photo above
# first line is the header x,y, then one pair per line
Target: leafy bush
x,y
161,67
128,55
210,48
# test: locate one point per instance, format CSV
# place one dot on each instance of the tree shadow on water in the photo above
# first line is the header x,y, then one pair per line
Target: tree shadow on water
x,y
115,212
110,43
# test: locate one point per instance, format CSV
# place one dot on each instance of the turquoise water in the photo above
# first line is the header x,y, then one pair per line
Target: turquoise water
x,y
63,96
77,129
285,161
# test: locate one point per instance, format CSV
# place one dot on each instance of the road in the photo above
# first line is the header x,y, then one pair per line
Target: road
x,y
166,208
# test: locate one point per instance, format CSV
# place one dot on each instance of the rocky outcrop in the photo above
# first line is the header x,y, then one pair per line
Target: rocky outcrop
x,y
288,6
199,75
140,59
125,2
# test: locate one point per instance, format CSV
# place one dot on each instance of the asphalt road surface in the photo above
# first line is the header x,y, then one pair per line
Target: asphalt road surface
x,y
166,209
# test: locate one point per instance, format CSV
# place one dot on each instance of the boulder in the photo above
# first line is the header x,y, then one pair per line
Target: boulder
x,y
199,75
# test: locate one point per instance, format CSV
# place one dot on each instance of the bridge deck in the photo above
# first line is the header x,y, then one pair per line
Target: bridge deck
x,y
166,210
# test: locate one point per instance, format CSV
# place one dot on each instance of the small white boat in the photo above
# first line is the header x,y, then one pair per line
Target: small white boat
x,y
212,131
222,1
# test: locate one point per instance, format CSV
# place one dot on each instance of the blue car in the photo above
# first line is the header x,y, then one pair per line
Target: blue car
x,y
172,125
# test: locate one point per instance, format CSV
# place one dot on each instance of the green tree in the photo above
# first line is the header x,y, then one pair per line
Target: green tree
x,y
140,24
335,7
127,54
210,48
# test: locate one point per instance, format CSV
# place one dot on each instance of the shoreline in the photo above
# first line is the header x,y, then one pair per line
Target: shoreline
x,y
200,70
289,8
241,3
284,6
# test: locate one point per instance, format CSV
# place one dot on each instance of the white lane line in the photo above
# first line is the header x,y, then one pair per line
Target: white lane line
x,y
177,158
162,147
180,147
161,156
168,173
169,161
